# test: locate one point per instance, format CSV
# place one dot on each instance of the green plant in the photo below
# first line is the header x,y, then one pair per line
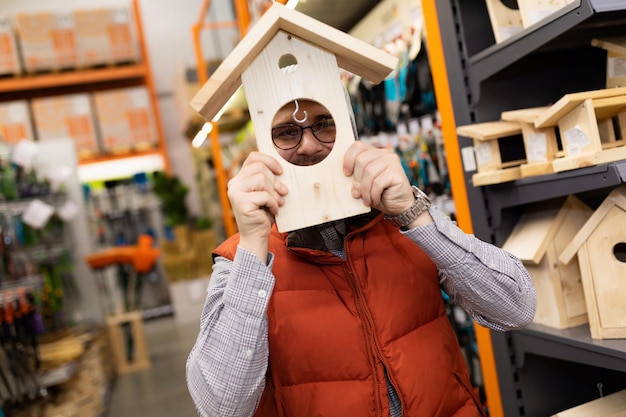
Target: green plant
x,y
204,223
172,192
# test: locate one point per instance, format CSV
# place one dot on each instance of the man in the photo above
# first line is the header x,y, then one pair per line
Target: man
x,y
345,318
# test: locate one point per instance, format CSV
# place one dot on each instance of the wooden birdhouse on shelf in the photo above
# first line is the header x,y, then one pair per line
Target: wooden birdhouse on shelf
x,y
285,57
601,249
587,126
491,169
537,239
540,145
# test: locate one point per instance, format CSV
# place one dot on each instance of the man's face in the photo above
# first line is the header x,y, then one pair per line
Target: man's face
x,y
310,150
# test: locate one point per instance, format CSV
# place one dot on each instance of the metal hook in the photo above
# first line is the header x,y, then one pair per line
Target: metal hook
x,y
295,112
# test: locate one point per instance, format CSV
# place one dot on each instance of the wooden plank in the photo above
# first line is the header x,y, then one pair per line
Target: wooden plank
x,y
579,130
602,157
615,44
505,21
607,271
527,115
496,177
488,157
532,169
609,107
529,238
490,130
549,302
616,197
540,145
352,55
533,11
571,218
117,338
566,103
613,405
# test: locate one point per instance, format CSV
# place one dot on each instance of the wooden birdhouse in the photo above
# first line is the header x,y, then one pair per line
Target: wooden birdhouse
x,y
288,56
534,11
615,59
586,123
540,145
537,239
601,248
491,169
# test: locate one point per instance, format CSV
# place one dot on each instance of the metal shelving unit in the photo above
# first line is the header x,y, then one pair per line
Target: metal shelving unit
x,y
540,371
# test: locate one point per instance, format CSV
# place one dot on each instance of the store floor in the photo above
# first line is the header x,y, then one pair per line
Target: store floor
x,y
161,390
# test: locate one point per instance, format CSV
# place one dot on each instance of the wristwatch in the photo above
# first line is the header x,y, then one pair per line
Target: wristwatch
x,y
422,203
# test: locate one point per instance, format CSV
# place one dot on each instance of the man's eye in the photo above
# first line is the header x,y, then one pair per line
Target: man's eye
x,y
286,132
324,124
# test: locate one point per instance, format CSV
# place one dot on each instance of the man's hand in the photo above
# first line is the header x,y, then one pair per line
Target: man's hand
x,y
379,179
255,195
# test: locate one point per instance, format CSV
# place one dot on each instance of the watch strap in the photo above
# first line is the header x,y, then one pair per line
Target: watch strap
x,y
421,204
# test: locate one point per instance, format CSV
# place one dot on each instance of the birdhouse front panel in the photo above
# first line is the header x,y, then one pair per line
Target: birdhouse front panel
x,y
605,277
290,69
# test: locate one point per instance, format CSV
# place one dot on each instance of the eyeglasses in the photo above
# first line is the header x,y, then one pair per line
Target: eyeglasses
x,y
288,136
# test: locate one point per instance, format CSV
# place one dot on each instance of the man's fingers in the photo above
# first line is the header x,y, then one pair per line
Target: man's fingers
x,y
269,161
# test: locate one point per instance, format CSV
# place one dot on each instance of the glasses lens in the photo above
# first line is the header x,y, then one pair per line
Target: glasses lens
x,y
325,130
286,136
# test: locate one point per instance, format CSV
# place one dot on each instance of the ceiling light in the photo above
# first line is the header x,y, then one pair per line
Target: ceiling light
x,y
202,134
291,4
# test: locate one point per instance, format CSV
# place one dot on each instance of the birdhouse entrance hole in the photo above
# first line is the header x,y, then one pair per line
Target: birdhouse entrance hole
x,y
619,250
287,63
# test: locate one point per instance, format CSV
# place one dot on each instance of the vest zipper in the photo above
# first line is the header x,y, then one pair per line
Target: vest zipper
x,y
370,338
369,335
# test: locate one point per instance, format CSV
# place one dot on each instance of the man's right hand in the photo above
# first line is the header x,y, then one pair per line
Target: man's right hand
x,y
255,195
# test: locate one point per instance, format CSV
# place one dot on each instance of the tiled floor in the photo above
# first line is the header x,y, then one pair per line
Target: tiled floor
x,y
161,390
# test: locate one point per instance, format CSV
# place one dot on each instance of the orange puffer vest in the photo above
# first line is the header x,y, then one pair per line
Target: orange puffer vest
x,y
335,326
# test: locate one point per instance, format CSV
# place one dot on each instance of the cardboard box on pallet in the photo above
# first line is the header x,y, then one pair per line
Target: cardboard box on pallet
x,y
47,40
105,36
125,119
67,116
15,122
9,55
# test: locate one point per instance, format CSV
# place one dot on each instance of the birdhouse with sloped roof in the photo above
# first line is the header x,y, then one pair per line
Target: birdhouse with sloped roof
x,y
600,247
285,57
537,239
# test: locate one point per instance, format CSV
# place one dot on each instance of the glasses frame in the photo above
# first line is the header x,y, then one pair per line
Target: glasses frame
x,y
302,128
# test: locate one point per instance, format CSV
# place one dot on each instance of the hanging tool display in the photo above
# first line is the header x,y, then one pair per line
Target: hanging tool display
x,y
20,328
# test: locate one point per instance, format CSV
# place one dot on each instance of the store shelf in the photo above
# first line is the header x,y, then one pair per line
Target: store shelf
x,y
101,78
572,26
574,345
72,78
539,370
544,187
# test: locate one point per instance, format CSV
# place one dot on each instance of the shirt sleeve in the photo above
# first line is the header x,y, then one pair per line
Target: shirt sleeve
x,y
489,283
227,365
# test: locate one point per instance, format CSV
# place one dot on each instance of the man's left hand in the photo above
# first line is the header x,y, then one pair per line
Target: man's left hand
x,y
378,178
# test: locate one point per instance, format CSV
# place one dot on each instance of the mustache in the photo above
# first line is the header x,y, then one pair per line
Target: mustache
x,y
307,160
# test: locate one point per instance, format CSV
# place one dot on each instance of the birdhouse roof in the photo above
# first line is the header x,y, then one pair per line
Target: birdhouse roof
x,y
352,55
538,226
617,197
